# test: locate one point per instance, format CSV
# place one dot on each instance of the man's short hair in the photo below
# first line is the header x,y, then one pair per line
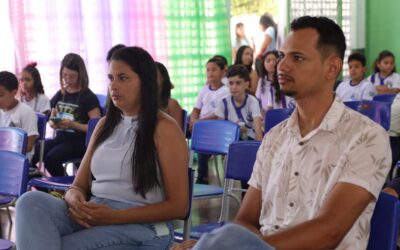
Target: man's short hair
x,y
357,57
8,80
238,70
222,58
330,34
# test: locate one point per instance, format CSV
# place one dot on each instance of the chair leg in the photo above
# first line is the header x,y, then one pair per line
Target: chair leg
x,y
9,216
217,170
187,228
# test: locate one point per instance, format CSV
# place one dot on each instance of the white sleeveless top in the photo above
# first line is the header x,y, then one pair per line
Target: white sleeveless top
x,y
111,167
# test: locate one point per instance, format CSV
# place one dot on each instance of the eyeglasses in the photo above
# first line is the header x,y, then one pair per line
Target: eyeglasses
x,y
69,75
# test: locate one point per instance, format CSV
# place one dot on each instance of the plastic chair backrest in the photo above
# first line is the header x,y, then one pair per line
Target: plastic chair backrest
x,y
214,136
384,98
275,116
91,126
13,139
13,173
102,101
384,223
376,111
184,121
41,125
240,160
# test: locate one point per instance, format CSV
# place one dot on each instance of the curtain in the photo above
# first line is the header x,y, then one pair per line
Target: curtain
x,y
181,34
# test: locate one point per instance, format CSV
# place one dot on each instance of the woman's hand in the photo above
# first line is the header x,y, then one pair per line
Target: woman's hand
x,y
65,124
76,200
98,214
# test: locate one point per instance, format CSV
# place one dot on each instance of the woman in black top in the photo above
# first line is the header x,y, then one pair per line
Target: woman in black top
x,y
72,107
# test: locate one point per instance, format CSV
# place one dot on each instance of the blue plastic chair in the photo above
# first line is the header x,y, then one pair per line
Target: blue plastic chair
x,y
62,183
187,220
384,98
14,169
6,244
102,101
212,137
384,223
275,116
376,111
13,139
41,124
239,166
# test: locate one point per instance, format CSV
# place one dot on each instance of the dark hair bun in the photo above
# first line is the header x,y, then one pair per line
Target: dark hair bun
x,y
31,64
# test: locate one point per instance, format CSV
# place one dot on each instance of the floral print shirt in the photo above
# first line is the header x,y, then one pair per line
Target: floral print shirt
x,y
296,174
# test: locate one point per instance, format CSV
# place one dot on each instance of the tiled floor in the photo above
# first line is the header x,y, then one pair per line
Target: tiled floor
x,y
204,211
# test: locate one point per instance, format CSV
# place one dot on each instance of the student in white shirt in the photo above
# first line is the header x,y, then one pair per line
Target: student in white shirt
x,y
356,88
206,105
385,78
240,107
14,113
31,90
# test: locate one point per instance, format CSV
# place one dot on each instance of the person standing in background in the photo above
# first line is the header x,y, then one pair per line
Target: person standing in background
x,y
269,29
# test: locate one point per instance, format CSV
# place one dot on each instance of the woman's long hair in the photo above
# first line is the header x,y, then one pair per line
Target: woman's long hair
x,y
166,85
239,55
144,158
274,80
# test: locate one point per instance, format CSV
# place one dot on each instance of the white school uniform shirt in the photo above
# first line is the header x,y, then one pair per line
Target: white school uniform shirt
x,y
41,103
21,116
296,174
208,99
391,81
246,113
394,129
364,90
268,99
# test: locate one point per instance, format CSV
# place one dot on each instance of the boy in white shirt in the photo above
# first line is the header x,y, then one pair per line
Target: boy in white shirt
x,y
14,113
356,88
240,107
206,105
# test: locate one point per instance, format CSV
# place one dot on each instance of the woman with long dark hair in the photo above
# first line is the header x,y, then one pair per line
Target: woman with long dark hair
x,y
244,56
131,183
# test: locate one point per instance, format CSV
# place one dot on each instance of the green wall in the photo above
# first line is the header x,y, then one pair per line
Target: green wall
x,y
382,29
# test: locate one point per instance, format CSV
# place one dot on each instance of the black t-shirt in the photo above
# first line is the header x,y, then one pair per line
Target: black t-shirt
x,y
75,106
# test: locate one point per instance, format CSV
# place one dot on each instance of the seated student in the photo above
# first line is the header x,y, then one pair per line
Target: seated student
x,y
244,56
168,104
268,89
223,59
72,107
356,88
31,90
131,183
318,174
206,105
385,78
14,113
240,107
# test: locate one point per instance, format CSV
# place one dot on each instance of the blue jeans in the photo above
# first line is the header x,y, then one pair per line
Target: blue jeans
x,y
42,222
231,236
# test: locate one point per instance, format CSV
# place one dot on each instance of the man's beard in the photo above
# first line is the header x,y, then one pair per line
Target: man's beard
x,y
289,93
